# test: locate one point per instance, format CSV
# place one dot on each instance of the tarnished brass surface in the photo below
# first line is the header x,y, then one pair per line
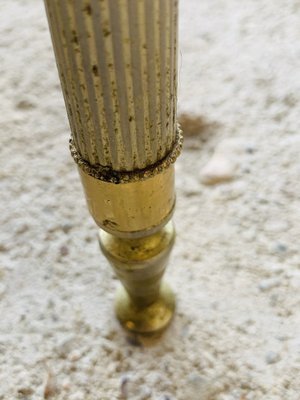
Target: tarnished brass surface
x,y
139,263
132,209
149,320
117,62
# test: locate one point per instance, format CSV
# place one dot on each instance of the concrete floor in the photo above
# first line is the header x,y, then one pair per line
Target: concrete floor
x,y
235,266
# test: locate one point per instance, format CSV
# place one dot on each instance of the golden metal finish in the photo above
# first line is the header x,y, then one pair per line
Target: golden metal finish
x,y
131,209
149,320
137,238
145,306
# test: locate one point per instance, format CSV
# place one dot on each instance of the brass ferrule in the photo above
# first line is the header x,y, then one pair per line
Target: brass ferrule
x,y
134,209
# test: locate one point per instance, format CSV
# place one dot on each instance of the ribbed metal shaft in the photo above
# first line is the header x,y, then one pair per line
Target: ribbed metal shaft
x,y
118,68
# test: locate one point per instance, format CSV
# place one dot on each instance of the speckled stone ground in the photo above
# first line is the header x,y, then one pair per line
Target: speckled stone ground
x,y
235,267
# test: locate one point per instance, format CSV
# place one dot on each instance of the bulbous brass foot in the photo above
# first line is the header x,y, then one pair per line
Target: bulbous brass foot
x,y
144,305
147,320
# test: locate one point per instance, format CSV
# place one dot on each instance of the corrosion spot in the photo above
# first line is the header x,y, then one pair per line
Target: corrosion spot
x,y
88,9
106,32
74,37
95,70
110,224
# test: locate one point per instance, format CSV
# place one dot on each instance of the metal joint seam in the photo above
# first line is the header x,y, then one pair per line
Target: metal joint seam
x,y
107,174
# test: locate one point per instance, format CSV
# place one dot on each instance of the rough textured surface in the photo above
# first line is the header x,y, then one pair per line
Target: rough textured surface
x,y
123,121
236,263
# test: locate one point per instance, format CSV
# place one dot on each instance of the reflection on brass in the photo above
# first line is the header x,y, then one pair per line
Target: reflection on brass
x,y
137,238
144,306
117,61
148,320
135,208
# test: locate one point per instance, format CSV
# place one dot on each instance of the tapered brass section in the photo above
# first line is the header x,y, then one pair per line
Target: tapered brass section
x,y
146,306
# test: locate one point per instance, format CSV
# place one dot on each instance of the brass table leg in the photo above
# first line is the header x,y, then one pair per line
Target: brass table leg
x,y
143,304
117,61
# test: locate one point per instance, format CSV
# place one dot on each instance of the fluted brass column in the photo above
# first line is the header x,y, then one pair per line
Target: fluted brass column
x,y
117,61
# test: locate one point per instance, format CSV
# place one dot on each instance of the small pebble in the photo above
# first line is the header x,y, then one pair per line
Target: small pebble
x,y
25,391
66,384
250,149
269,283
3,248
22,229
65,346
50,386
75,355
64,251
124,386
66,228
280,248
272,357
25,105
218,169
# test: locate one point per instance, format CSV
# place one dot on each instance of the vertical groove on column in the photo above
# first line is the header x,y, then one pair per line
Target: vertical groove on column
x,y
89,87
101,31
117,61
72,48
126,21
120,87
150,76
136,73
175,66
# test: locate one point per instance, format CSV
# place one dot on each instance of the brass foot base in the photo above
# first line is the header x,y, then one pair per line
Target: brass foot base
x,y
147,320
144,305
